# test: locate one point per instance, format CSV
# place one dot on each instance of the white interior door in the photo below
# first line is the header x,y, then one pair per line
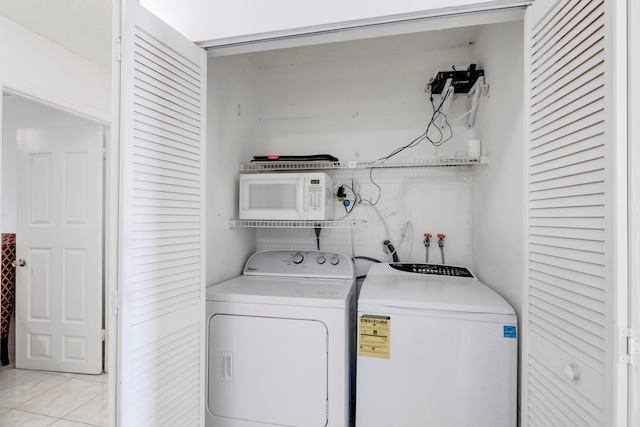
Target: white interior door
x,y
574,370
59,285
159,128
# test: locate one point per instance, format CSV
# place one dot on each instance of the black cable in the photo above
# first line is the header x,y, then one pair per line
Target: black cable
x,y
355,202
318,230
413,143
366,258
425,135
437,113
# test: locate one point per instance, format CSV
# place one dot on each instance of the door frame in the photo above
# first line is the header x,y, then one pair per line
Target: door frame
x,y
633,64
56,101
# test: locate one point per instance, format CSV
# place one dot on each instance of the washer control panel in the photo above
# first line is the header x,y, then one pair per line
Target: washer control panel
x,y
319,264
434,269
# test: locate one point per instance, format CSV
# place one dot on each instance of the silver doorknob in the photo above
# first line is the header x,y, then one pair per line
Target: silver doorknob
x,y
20,263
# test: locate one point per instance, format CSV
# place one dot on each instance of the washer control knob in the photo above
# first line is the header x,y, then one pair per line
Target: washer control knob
x,y
321,259
334,260
298,258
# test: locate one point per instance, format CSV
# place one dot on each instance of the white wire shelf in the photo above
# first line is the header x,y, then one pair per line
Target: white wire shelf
x,y
322,165
260,223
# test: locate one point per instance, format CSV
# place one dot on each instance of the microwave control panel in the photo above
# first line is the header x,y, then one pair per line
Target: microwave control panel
x,y
314,188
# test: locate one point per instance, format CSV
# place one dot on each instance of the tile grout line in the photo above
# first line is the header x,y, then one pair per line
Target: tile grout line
x,y
64,379
39,395
85,403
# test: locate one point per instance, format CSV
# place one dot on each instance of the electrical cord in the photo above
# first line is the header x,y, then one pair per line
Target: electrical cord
x,y
473,107
317,231
485,92
435,142
376,184
437,112
356,201
366,258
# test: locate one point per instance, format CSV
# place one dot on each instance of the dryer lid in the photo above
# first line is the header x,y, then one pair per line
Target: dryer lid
x,y
307,292
386,286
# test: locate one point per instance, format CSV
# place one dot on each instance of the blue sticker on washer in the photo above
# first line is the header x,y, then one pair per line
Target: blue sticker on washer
x,y
510,331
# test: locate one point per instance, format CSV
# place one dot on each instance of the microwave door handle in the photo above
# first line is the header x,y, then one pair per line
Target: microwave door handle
x,y
302,199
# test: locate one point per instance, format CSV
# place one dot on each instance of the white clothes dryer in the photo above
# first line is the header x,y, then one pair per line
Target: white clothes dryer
x,y
280,347
436,347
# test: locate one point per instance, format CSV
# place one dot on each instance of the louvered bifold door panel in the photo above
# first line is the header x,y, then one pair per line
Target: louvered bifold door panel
x,y
162,212
567,218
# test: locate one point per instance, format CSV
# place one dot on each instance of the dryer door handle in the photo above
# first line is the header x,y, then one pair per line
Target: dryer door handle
x,y
226,366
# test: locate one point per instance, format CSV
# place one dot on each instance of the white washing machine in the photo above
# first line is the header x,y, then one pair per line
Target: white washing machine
x,y
280,342
435,348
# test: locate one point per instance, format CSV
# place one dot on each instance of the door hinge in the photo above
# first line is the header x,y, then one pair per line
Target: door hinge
x,y
103,335
632,347
104,153
115,302
117,49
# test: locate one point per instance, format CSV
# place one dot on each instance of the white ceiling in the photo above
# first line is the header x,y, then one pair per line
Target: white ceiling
x,y
84,27
81,26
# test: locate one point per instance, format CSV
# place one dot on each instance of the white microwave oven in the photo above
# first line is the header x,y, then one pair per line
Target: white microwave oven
x,y
286,196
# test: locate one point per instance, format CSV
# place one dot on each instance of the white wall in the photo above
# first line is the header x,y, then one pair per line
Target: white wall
x,y
232,117
498,220
19,112
36,67
360,100
360,103
201,20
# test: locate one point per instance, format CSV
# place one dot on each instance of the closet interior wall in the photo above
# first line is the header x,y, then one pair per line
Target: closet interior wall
x,y
361,100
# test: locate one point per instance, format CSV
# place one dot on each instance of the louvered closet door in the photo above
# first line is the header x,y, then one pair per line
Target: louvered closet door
x,y
161,318
576,278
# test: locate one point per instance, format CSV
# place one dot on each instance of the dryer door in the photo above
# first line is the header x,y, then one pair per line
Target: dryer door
x,y
268,370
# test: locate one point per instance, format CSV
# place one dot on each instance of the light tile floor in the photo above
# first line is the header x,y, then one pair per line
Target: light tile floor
x,y
39,398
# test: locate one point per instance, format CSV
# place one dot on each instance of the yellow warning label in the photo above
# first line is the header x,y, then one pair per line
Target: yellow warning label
x,y
374,336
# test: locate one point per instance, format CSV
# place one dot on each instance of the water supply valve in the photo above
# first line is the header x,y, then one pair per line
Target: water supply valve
x,y
427,243
441,245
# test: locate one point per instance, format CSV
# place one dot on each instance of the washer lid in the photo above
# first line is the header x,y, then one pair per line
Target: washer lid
x,y
307,292
386,286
